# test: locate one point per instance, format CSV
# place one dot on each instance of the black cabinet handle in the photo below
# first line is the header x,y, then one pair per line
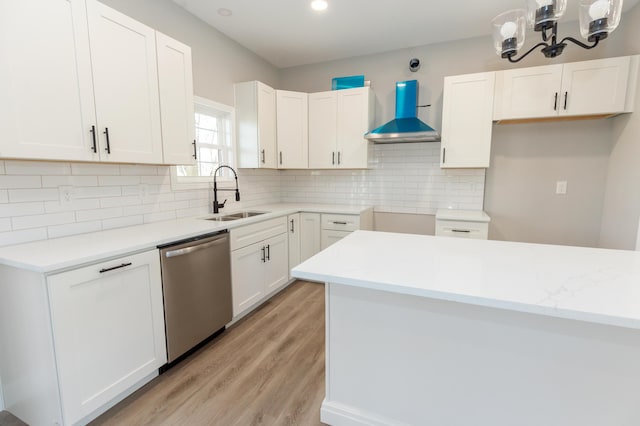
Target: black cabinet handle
x,y
195,150
339,223
338,158
565,100
333,158
444,155
262,152
461,230
94,148
292,226
555,102
124,265
268,252
106,133
263,255
280,157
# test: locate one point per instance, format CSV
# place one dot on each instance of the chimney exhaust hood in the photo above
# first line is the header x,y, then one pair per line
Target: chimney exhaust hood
x,y
406,127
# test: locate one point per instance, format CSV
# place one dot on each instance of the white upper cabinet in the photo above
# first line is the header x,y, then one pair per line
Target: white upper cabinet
x,y
323,125
292,129
338,121
255,104
598,87
47,106
175,79
466,120
123,55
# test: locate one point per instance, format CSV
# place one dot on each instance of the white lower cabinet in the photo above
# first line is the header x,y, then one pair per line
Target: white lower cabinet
x,y
309,235
462,224
337,226
293,225
260,267
81,340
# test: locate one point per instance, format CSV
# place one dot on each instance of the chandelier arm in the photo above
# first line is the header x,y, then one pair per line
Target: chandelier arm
x,y
581,44
541,44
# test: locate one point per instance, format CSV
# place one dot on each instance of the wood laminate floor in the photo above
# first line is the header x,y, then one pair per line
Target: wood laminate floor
x,y
266,369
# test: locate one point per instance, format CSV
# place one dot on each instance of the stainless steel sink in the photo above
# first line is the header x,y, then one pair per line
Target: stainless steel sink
x,y
236,216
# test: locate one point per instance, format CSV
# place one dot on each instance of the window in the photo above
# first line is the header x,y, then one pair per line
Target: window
x,y
215,144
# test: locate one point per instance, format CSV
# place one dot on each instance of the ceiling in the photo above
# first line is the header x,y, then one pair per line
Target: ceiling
x,y
289,33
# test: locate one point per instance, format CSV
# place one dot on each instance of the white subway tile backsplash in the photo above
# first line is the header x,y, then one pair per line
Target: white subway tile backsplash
x,y
75,204
118,180
4,196
96,192
98,214
55,181
95,169
26,195
159,217
2,168
37,168
138,170
121,222
21,209
35,221
73,229
17,237
5,224
9,182
120,201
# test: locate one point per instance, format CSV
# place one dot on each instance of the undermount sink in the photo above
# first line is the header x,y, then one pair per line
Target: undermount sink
x,y
236,216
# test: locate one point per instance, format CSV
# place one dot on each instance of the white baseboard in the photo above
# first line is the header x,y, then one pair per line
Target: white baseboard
x,y
336,414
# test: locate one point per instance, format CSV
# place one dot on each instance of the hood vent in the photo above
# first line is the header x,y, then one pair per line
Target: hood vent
x,y
406,127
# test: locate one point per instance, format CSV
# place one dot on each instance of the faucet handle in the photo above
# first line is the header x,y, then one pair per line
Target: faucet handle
x,y
221,205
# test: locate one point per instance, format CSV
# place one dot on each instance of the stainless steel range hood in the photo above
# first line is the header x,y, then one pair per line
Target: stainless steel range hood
x,y
406,127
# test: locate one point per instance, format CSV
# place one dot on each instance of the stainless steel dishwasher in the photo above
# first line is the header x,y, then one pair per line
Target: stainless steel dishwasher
x,y
196,284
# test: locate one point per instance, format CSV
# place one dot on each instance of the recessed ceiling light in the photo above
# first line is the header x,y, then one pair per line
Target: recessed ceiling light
x,y
224,12
319,4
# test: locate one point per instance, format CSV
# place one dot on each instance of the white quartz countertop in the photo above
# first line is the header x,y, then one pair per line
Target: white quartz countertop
x,y
62,253
587,284
463,215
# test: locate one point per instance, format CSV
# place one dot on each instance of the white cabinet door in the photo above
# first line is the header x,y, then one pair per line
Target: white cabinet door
x,y
255,104
175,79
529,92
292,129
47,107
309,235
123,56
247,276
329,237
355,118
276,267
294,240
467,120
323,110
108,330
594,87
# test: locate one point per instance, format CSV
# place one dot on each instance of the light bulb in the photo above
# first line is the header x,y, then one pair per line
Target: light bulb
x,y
508,30
543,3
319,4
599,9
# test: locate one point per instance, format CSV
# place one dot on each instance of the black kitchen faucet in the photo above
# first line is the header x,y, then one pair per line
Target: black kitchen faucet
x,y
217,206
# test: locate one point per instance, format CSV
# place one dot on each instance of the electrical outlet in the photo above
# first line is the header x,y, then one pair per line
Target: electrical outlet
x,y
143,190
66,195
561,187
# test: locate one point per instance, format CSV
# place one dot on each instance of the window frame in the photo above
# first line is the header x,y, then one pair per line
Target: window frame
x,y
205,182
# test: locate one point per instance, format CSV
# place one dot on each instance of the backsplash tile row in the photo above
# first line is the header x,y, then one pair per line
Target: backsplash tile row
x,y
33,203
402,178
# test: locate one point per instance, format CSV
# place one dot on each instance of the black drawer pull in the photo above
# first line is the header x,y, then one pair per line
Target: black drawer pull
x,y
339,223
292,226
263,255
195,150
106,133
565,100
555,102
268,252
94,148
124,265
461,230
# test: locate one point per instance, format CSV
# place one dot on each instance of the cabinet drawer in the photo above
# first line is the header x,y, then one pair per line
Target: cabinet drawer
x,y
341,222
250,234
329,237
462,229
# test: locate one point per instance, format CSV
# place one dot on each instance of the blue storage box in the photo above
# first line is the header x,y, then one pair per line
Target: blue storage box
x,y
338,83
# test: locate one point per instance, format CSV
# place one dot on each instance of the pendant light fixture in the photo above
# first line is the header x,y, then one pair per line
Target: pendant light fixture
x,y
598,18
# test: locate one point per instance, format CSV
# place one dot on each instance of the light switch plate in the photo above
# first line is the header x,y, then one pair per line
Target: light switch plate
x,y
561,187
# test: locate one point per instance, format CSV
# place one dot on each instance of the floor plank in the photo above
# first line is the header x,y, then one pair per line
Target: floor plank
x,y
266,369
8,419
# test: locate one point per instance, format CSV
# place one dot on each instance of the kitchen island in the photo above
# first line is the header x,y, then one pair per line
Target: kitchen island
x,y
446,331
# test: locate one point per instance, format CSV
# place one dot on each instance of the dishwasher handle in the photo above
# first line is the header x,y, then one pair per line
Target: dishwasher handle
x,y
191,249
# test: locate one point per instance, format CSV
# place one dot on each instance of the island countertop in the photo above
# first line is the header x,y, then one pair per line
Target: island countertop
x,y
586,284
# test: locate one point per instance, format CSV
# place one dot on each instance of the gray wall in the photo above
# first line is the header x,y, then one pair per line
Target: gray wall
x,y
622,197
218,61
526,160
